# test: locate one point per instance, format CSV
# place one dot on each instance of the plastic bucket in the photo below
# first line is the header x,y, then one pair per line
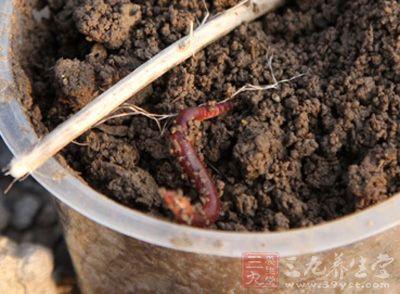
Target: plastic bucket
x,y
119,250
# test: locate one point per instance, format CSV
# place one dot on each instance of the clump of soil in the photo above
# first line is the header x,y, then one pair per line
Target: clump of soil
x,y
317,148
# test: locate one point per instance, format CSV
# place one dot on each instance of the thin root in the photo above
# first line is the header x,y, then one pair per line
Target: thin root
x,y
275,85
79,143
207,14
13,182
189,40
136,110
191,36
9,187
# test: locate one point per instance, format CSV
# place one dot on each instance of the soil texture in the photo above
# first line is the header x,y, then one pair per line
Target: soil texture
x,y
316,148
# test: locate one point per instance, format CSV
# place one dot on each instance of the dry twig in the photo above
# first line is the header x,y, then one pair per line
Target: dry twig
x,y
144,75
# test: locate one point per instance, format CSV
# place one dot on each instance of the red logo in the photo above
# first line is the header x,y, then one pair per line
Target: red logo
x,y
260,270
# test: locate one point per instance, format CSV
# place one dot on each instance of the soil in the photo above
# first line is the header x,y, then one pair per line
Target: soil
x,y
319,147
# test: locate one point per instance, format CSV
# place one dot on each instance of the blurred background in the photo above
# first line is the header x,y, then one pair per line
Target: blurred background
x,y
33,253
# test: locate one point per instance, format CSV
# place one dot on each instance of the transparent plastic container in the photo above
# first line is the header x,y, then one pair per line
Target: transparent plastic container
x,y
119,250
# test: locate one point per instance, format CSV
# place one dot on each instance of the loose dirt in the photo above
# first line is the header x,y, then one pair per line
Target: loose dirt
x,y
320,147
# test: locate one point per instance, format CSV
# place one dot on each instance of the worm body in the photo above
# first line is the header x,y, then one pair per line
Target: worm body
x,y
194,168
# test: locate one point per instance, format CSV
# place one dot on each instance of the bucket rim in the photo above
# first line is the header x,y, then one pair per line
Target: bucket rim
x,y
74,192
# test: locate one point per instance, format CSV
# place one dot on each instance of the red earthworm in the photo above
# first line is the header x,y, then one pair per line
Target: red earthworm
x,y
194,168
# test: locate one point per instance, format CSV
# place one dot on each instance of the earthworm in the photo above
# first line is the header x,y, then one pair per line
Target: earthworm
x,y
194,168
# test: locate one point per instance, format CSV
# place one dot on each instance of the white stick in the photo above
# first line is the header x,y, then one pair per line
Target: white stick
x,y
107,102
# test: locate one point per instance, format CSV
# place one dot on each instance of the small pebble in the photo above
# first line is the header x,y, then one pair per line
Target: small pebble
x,y
275,97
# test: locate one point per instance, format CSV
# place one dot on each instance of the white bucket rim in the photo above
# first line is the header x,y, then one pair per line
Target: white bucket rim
x,y
69,189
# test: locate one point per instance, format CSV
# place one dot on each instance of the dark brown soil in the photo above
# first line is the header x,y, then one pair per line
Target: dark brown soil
x,y
319,147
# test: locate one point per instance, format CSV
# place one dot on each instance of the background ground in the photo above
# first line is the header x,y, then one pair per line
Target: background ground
x,y
28,215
